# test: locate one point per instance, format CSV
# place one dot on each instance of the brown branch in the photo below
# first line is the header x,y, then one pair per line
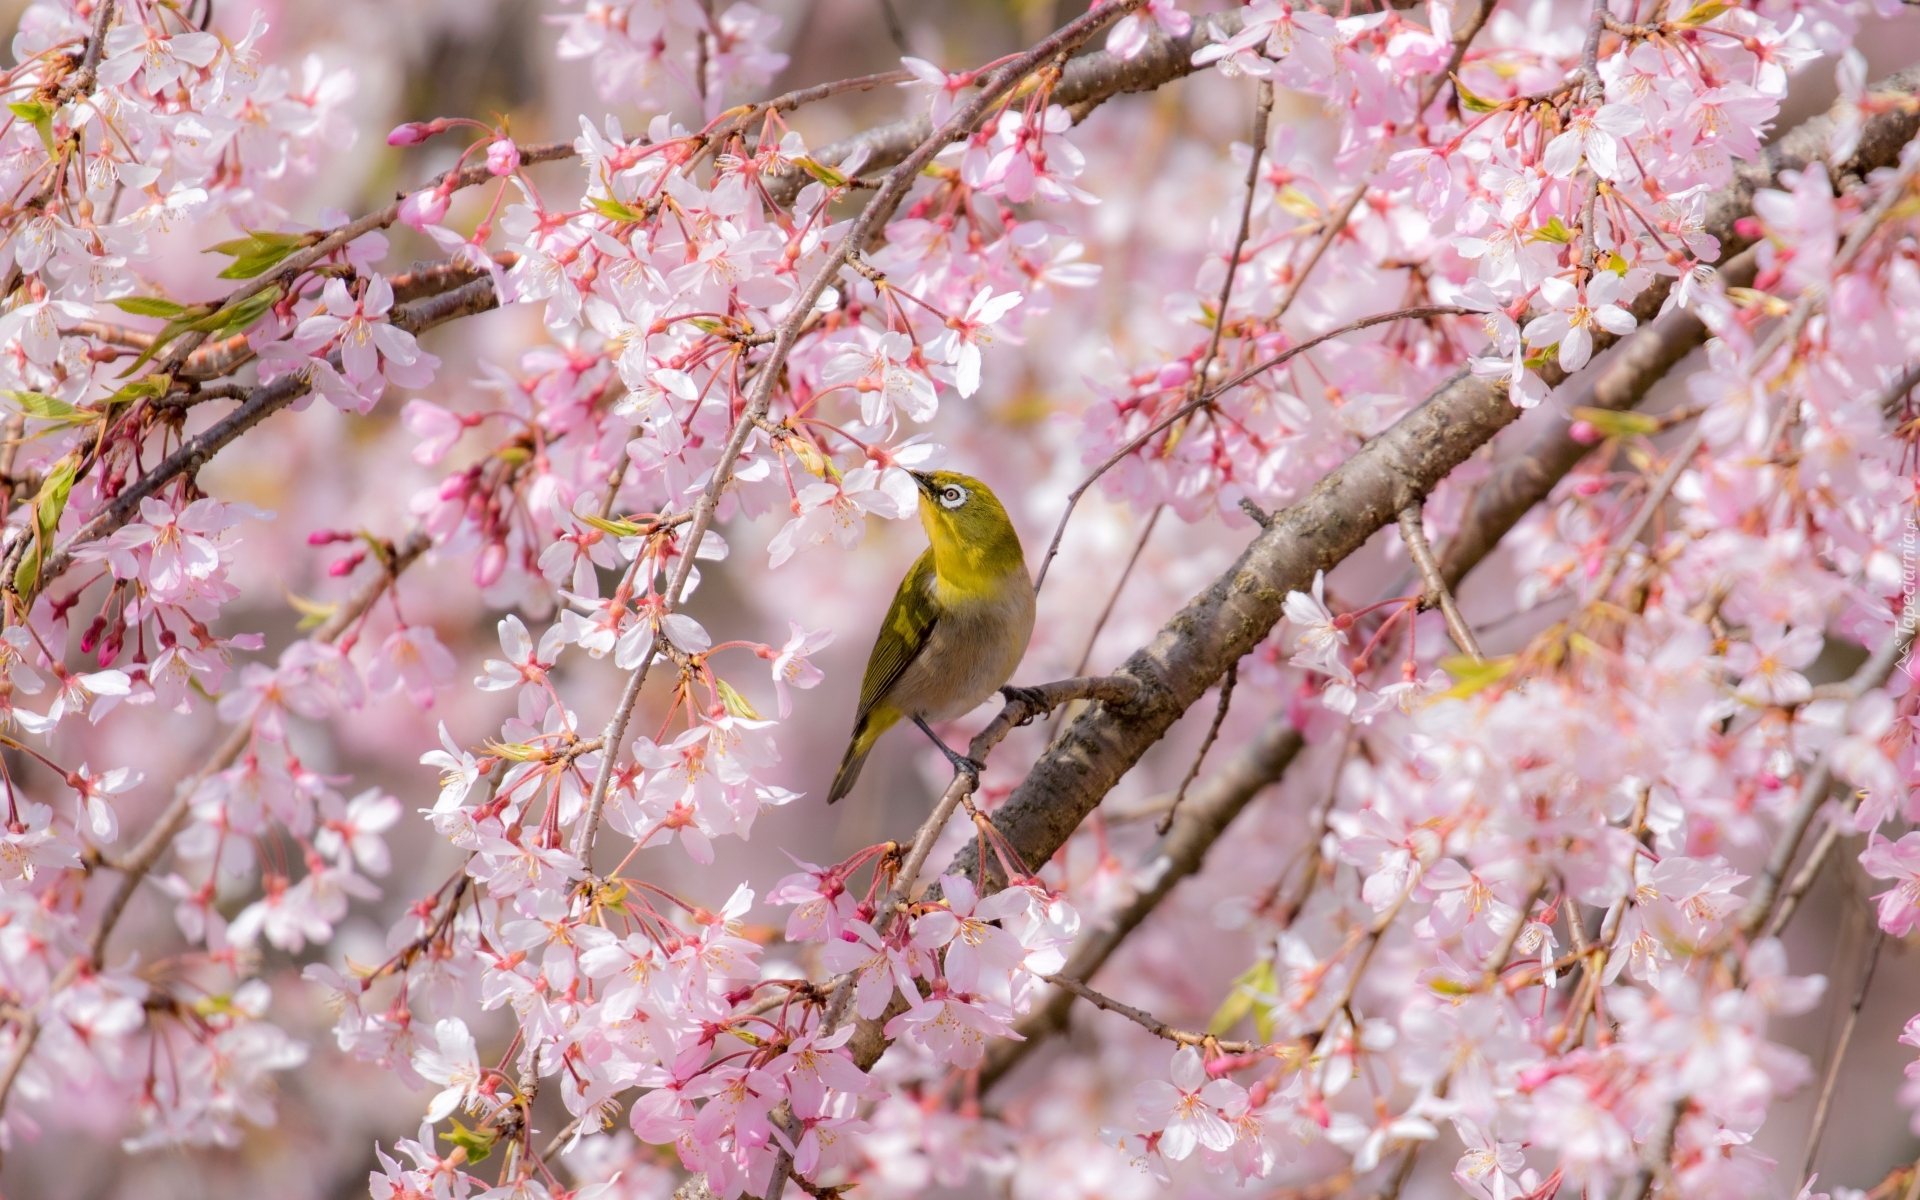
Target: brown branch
x,y
1262,110
1206,743
1085,83
261,403
1202,819
1342,512
1823,1108
1210,395
1819,780
1523,481
1147,1020
1413,532
1803,879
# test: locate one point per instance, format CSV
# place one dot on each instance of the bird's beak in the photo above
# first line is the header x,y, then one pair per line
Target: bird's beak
x,y
924,480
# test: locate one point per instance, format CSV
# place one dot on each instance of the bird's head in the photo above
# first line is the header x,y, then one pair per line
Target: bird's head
x,y
971,535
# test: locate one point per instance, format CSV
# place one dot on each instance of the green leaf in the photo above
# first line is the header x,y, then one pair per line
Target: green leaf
x,y
1701,13
478,1143
1616,264
735,703
37,114
1246,999
824,173
616,528
47,509
1541,356
1471,102
313,613
193,318
1472,676
257,253
612,209
151,388
47,408
241,316
1554,231
148,306
1617,424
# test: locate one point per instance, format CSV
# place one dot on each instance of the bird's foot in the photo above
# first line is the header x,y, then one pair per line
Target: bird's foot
x,y
1034,700
962,765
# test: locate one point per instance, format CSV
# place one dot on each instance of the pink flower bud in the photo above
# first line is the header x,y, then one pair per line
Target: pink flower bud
x,y
346,565
1592,485
503,157
325,537
410,134
1584,433
1175,374
491,565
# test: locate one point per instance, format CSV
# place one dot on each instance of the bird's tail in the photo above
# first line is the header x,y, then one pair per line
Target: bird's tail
x,y
865,734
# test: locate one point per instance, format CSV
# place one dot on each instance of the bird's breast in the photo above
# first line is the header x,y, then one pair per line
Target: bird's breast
x,y
974,648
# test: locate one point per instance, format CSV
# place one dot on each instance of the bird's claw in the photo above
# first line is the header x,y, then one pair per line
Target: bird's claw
x,y
962,765
1032,699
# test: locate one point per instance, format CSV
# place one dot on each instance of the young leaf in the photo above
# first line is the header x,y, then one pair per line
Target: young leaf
x,y
1701,13
822,172
1554,231
148,306
478,1143
257,253
38,115
1471,102
616,528
1470,676
241,316
47,408
47,509
612,209
735,703
1617,424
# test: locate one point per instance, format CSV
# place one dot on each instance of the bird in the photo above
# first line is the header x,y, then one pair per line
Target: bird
x,y
957,628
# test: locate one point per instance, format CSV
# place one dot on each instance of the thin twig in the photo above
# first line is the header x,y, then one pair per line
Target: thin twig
x,y
1818,782
1803,879
1262,110
261,403
1147,1020
1213,731
1413,533
1212,394
1823,1109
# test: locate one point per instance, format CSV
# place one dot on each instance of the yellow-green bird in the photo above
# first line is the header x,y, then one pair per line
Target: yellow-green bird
x,y
958,625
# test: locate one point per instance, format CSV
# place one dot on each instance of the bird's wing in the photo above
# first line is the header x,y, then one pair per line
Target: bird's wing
x,y
903,635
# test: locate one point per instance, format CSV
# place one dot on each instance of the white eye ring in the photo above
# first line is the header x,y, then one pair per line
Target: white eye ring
x,y
952,496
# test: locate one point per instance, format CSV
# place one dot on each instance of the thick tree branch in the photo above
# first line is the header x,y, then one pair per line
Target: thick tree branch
x,y
1347,507
1523,481
1085,83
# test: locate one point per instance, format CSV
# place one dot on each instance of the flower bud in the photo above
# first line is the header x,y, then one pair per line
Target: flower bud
x,y
491,565
411,134
345,566
1584,432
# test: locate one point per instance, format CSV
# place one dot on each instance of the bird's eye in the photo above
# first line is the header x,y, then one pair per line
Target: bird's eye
x,y
952,497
